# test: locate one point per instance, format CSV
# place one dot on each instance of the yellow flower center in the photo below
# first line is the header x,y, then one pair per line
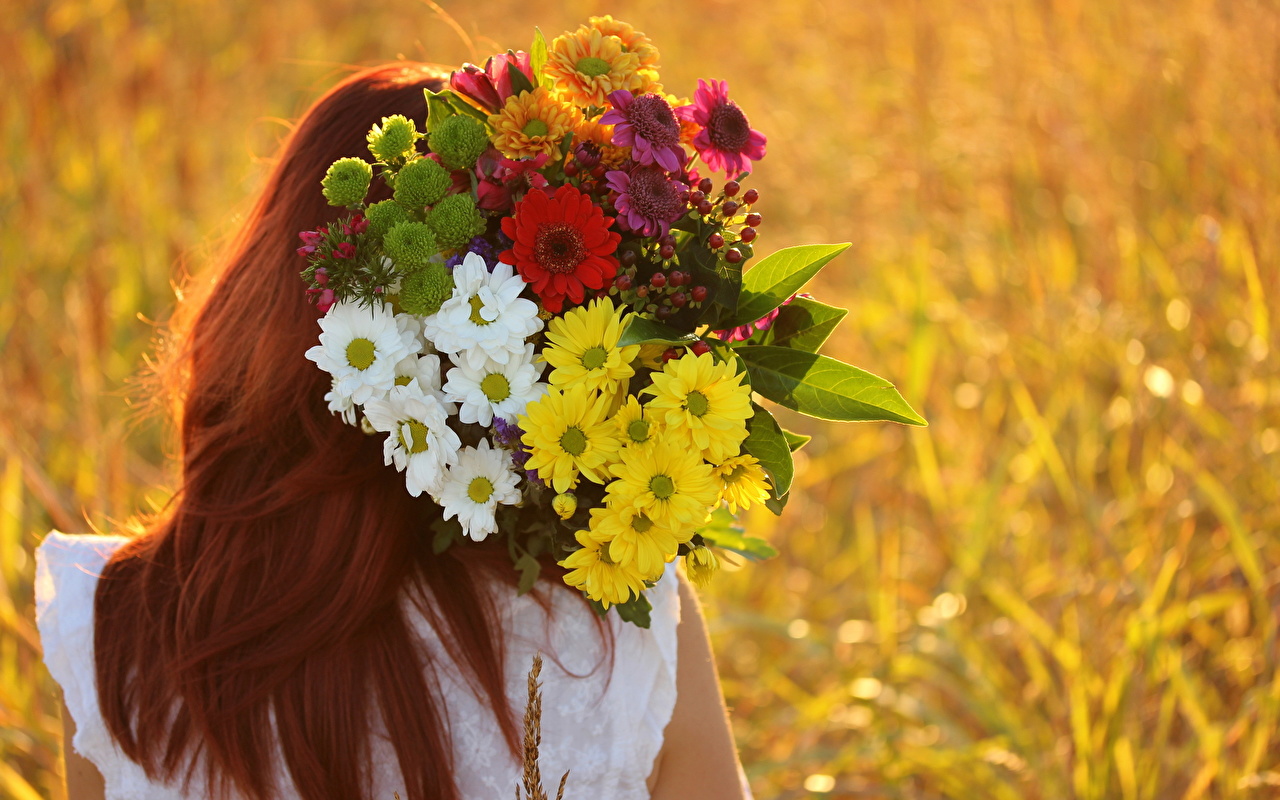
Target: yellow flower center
x,y
595,358
662,486
360,353
603,555
638,430
737,474
496,387
403,380
641,524
480,489
592,67
476,305
535,127
696,403
573,441
417,440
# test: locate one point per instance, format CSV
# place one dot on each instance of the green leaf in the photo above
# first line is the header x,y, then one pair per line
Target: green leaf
x,y
438,108
823,387
776,504
768,284
538,55
795,440
636,611
766,441
529,569
722,531
804,324
642,330
519,81
447,531
461,106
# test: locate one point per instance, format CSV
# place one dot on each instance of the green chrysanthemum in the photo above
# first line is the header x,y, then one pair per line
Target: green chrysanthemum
x,y
410,245
421,182
392,139
459,140
347,182
424,290
455,220
383,216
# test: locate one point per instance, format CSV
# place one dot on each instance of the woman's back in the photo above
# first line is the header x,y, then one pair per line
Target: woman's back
x,y
602,718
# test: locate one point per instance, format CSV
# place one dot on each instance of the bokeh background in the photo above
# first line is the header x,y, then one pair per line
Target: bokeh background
x,y
1065,223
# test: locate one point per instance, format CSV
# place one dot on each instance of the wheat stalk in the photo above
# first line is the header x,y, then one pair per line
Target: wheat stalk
x,y
533,740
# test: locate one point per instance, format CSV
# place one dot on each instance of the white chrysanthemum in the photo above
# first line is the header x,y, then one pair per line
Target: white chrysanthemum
x,y
481,478
341,404
408,323
421,444
426,371
360,347
486,318
495,389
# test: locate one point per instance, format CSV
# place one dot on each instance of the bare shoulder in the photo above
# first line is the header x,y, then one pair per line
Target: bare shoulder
x,y
84,782
698,758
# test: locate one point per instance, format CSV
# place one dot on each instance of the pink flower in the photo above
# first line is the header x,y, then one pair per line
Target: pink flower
x,y
523,172
490,87
648,126
727,142
344,250
744,332
648,201
356,225
310,240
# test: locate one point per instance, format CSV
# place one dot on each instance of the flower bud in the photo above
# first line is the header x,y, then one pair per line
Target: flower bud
x,y
701,565
564,504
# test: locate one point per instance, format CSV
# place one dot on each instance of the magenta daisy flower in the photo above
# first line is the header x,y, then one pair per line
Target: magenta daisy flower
x,y
648,201
648,126
727,142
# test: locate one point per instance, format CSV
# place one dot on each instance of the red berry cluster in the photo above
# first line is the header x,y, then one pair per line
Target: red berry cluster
x,y
665,291
729,208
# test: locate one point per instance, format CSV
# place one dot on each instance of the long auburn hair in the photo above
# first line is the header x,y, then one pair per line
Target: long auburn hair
x,y
271,587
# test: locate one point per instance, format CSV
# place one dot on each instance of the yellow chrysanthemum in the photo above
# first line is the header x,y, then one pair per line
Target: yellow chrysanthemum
x,y
704,401
743,482
611,155
669,482
637,427
533,123
568,433
584,348
633,41
636,539
586,66
594,571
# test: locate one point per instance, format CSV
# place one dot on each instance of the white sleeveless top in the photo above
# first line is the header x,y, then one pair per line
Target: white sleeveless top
x,y
606,727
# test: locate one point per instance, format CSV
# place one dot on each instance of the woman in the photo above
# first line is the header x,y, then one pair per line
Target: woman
x,y
285,630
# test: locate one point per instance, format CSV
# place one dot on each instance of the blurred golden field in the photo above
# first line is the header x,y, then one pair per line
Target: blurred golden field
x,y
1066,225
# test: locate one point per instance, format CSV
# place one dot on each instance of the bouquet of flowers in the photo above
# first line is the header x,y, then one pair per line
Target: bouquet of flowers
x,y
552,325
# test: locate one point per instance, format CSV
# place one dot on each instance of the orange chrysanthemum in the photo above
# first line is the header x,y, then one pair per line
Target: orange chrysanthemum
x,y
587,65
633,41
533,123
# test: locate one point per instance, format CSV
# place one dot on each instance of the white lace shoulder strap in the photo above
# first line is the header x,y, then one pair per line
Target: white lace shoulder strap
x,y
67,571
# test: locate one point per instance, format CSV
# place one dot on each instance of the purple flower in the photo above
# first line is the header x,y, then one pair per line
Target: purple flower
x,y
648,126
490,87
481,247
648,201
727,142
506,434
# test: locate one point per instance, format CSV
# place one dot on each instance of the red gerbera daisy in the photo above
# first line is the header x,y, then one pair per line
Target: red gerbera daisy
x,y
562,245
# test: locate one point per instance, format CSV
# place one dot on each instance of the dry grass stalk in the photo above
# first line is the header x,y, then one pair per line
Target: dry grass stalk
x,y
533,740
